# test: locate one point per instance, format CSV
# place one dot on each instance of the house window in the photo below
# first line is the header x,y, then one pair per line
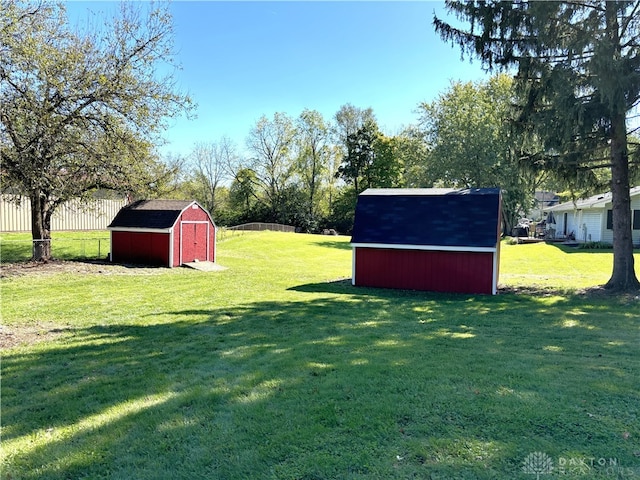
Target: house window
x,y
635,221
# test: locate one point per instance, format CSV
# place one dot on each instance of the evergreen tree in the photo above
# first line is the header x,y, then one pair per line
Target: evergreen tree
x,y
578,71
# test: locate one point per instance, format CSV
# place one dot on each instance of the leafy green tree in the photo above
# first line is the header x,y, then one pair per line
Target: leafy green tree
x,y
167,179
293,209
469,130
343,210
348,120
272,143
81,111
371,162
243,195
413,151
333,183
578,71
463,130
386,170
360,155
224,214
312,135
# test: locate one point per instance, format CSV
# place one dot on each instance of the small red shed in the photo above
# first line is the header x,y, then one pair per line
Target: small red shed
x,y
432,239
165,233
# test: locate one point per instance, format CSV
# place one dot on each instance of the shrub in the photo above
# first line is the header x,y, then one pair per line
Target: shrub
x,y
595,246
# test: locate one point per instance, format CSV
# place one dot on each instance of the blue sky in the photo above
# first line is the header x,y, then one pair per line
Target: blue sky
x,y
241,60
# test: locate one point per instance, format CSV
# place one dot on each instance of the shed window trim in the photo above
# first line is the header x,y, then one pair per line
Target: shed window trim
x,y
609,219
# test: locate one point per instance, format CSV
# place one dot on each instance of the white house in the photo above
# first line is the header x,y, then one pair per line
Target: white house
x,y
589,219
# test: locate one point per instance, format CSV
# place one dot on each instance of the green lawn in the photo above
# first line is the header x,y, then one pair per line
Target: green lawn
x,y
278,368
16,247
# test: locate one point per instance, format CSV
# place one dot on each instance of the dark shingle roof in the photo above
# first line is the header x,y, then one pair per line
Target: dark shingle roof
x,y
159,214
429,216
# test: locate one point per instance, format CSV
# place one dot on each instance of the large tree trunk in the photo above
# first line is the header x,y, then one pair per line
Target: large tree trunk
x,y
40,227
623,277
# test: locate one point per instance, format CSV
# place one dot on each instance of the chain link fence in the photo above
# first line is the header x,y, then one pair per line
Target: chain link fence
x,y
21,250
259,226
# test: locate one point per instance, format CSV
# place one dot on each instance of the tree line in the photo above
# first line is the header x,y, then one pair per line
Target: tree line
x,y
307,171
83,111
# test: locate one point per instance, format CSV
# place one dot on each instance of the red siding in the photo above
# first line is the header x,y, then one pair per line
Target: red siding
x,y
194,241
195,234
461,272
194,237
140,248
194,214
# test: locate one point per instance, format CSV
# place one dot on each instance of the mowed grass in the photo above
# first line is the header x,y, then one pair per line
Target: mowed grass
x,y
556,266
17,247
278,368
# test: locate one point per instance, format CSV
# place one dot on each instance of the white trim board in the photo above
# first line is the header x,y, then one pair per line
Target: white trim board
x,y
433,248
141,230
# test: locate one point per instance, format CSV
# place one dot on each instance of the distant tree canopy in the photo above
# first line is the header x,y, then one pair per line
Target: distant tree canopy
x,y
298,170
578,76
81,111
473,144
372,160
309,171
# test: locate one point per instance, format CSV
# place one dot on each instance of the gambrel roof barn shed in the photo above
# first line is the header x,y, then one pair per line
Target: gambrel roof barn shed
x,y
162,232
440,240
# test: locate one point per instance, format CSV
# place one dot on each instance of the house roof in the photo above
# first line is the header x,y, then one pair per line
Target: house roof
x,y
596,201
546,199
428,217
160,214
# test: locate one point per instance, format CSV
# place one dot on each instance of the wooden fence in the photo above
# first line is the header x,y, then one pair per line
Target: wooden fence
x,y
15,214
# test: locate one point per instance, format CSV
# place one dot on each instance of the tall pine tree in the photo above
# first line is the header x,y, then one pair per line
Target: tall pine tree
x,y
578,70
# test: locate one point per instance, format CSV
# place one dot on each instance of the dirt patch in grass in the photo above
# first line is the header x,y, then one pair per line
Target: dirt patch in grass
x,y
17,335
529,290
82,267
629,298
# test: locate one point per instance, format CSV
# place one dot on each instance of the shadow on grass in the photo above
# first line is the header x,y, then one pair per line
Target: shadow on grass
x,y
585,249
342,245
576,248
375,385
11,252
344,286
336,286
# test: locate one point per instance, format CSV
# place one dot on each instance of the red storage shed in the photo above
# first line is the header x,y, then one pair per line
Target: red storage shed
x,y
165,233
431,239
